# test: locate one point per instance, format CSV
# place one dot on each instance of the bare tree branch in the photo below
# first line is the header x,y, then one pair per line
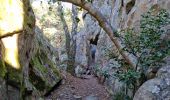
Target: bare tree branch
x,y
111,32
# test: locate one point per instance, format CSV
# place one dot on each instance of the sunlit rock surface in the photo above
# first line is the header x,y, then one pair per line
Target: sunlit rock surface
x,y
11,16
27,60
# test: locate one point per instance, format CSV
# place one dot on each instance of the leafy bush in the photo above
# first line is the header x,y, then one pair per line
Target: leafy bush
x,y
129,78
148,46
121,96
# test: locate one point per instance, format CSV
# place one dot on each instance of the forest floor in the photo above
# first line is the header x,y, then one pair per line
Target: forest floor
x,y
73,88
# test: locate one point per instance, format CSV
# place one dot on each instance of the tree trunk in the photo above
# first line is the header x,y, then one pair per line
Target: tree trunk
x,y
66,31
70,40
73,35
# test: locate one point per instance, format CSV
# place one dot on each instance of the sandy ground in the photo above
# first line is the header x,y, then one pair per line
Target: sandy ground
x,y
73,88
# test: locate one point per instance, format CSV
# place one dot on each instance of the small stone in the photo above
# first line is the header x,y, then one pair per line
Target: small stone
x,y
77,97
63,81
91,97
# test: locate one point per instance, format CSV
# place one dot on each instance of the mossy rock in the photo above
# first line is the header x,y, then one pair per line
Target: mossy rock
x,y
12,75
43,73
2,69
7,16
2,63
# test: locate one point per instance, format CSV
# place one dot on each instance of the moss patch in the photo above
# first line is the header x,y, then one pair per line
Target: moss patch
x,y
14,75
129,6
42,70
36,62
36,80
2,69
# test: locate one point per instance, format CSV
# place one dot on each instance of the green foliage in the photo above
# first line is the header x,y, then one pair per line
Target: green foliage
x,y
39,70
100,71
89,1
108,52
129,78
121,96
77,19
79,9
2,68
148,46
105,73
97,69
153,47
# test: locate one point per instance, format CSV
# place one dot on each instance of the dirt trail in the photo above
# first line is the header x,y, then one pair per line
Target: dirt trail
x,y
74,88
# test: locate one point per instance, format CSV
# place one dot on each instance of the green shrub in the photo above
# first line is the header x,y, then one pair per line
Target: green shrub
x,y
147,46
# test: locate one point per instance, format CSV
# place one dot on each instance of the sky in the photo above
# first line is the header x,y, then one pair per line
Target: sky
x,y
65,5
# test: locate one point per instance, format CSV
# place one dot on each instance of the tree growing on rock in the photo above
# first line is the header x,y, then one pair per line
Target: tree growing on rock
x,y
70,37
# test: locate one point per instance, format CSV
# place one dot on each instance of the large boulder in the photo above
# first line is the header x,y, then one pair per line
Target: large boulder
x,y
43,71
157,88
27,60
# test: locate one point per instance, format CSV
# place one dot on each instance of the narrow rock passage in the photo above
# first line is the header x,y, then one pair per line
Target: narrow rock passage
x,y
74,88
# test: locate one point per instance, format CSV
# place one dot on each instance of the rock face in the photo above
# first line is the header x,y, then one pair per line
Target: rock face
x,y
3,94
121,14
157,88
27,62
43,72
82,49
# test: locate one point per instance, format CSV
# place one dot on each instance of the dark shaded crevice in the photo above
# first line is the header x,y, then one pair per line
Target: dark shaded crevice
x,y
35,79
93,51
53,89
93,44
94,41
84,15
13,84
8,75
129,6
122,3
